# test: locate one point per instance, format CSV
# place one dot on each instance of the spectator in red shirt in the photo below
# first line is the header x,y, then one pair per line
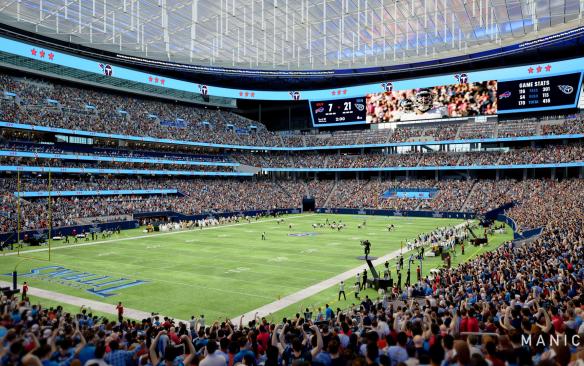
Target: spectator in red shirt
x,y
120,309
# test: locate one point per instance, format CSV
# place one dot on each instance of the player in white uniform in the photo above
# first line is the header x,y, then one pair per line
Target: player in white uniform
x,y
421,108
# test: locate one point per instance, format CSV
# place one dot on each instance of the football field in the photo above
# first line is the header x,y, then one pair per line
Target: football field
x,y
221,271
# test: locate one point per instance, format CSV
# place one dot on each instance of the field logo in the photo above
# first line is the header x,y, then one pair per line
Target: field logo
x,y
295,95
98,285
566,89
106,69
302,234
505,95
203,89
461,78
388,87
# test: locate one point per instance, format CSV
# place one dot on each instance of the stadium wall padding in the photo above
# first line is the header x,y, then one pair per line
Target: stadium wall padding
x,y
434,214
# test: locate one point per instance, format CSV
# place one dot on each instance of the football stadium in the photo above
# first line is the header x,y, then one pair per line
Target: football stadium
x,y
291,182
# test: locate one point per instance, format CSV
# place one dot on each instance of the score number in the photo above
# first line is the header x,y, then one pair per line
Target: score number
x,y
348,106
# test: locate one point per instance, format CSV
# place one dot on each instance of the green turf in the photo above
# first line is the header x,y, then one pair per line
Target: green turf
x,y
223,271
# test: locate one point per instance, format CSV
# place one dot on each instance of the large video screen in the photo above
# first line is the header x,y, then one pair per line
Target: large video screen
x,y
547,93
446,101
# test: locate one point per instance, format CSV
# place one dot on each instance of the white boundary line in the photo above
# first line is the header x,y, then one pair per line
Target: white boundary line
x,y
311,290
79,301
60,247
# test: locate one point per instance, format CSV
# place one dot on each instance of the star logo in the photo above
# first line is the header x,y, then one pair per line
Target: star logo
x,y
51,56
241,94
42,53
33,52
246,94
150,78
333,92
252,94
156,80
539,68
162,81
345,91
530,70
548,68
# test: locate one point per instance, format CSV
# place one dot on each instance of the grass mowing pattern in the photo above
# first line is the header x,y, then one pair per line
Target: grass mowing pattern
x,y
226,271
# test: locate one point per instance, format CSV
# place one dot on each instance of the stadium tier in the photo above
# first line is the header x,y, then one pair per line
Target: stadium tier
x,y
293,183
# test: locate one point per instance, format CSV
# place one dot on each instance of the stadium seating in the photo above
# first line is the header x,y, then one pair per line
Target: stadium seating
x,y
506,296
91,110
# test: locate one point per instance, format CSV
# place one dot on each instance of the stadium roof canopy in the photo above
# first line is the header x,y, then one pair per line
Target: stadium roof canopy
x,y
293,34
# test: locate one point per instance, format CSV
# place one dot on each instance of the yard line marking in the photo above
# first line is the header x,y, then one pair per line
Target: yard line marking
x,y
148,236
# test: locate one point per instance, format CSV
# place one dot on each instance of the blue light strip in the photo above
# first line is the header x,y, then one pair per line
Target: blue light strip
x,y
114,192
21,126
46,169
27,154
426,168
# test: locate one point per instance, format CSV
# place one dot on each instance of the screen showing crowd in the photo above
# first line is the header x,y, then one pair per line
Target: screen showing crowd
x,y
446,101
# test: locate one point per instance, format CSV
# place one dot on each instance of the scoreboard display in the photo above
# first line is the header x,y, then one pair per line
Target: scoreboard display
x,y
547,92
338,111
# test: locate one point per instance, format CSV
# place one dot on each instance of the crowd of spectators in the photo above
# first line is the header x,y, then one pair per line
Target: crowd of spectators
x,y
549,154
56,105
520,304
163,153
196,196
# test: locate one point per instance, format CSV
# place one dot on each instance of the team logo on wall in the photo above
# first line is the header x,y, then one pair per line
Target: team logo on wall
x,y
295,95
566,89
359,106
106,69
388,87
461,78
203,89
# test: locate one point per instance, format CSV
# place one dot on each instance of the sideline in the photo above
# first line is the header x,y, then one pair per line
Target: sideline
x,y
311,290
25,252
78,301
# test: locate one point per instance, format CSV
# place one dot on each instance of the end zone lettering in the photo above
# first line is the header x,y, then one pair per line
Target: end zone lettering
x,y
98,285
